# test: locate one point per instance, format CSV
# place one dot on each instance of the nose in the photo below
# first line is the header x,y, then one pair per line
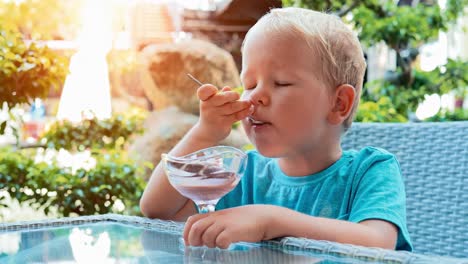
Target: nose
x,y
258,96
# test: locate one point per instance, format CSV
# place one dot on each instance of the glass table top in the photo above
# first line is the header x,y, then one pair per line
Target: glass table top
x,y
119,239
119,243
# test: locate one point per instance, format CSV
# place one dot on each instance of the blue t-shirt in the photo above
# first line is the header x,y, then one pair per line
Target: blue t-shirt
x,y
361,185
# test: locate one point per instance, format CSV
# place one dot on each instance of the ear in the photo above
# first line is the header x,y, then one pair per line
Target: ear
x,y
343,101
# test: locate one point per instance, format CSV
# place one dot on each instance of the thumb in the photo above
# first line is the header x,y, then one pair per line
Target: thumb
x,y
226,89
206,91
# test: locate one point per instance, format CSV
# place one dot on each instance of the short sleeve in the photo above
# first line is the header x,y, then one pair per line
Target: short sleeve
x,y
242,193
380,194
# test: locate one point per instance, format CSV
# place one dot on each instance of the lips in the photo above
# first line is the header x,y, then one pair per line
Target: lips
x,y
257,122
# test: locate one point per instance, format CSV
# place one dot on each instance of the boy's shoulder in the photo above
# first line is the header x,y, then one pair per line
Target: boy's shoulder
x,y
364,157
369,153
366,153
372,157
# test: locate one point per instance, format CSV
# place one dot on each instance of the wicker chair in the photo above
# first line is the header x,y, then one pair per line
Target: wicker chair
x,y
434,163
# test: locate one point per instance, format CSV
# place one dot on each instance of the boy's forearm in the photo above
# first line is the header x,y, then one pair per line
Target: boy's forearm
x,y
286,222
160,199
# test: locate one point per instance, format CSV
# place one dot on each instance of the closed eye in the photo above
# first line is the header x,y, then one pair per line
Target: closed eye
x,y
283,84
250,87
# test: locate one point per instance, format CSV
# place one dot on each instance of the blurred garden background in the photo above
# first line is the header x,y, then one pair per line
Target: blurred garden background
x,y
92,92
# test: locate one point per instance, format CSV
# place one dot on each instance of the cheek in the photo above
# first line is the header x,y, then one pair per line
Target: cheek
x,y
247,129
297,120
294,110
294,122
245,125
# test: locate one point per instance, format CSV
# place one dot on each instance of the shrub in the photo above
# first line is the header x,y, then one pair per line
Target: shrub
x,y
93,133
380,111
444,115
114,180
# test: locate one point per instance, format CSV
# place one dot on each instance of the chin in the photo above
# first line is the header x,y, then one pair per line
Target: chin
x,y
268,150
264,147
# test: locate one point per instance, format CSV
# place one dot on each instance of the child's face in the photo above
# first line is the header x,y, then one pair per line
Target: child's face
x,y
281,76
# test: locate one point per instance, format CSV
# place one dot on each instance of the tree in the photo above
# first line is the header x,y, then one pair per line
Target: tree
x,y
27,71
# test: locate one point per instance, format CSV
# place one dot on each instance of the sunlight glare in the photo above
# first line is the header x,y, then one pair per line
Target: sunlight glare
x,y
86,248
87,88
429,107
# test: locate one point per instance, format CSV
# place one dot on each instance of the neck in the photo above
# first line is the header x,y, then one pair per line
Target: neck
x,y
306,162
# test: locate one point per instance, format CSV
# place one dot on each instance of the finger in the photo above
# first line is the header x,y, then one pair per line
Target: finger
x,y
223,240
234,107
206,91
226,89
197,230
239,115
188,225
211,233
223,98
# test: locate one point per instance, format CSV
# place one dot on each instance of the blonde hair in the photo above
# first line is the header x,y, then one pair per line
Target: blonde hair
x,y
337,46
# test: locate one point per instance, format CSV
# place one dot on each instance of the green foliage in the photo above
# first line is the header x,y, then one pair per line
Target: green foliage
x,y
380,111
399,26
14,122
445,115
405,98
115,178
13,173
96,191
453,76
454,9
248,147
27,71
93,133
42,19
338,7
404,29
239,90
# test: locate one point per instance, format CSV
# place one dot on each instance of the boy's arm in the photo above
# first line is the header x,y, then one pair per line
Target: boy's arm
x,y
370,233
254,223
218,111
160,199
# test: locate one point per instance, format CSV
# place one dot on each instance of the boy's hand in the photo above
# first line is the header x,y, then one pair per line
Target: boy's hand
x,y
218,111
219,229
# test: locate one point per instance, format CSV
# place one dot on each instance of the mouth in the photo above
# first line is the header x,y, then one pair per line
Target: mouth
x,y
256,122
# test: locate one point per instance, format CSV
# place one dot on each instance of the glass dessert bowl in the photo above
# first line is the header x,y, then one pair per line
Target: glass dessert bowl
x,y
205,176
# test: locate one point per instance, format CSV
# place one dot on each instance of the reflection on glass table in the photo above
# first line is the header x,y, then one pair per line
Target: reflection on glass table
x,y
126,239
107,242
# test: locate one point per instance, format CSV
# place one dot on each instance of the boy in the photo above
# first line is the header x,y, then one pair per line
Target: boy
x,y
302,72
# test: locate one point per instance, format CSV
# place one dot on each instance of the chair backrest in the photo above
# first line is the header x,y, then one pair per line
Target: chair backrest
x,y
434,163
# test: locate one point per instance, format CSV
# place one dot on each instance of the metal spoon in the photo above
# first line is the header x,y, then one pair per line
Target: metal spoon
x,y
194,79
252,107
